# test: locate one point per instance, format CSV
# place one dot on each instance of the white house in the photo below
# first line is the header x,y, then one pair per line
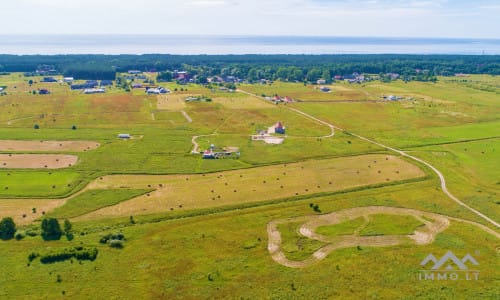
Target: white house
x,y
68,79
94,91
124,136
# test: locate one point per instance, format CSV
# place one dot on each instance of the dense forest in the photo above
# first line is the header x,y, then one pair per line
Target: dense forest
x,y
255,67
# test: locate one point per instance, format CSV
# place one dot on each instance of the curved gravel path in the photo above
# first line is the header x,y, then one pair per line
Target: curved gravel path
x,y
423,235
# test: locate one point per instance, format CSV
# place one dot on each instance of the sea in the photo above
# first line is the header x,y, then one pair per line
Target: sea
x,y
216,44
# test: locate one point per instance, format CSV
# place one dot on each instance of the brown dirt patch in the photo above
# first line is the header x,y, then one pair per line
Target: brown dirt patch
x,y
37,161
18,145
21,210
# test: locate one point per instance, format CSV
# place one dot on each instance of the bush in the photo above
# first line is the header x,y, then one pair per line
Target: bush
x,y
112,236
31,233
51,230
7,228
19,236
36,126
116,244
32,256
80,253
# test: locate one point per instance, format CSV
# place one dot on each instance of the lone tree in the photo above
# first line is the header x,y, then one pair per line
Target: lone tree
x,y
67,229
7,228
51,230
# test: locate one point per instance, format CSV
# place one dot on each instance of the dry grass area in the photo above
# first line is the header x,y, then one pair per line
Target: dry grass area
x,y
18,145
244,102
172,102
184,192
37,161
25,211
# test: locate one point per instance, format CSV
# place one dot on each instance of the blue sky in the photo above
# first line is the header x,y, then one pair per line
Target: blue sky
x,y
373,18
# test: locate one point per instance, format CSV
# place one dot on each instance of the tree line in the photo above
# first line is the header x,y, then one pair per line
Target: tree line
x,y
255,67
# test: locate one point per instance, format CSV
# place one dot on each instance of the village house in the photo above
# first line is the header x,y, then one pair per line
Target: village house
x,y
94,91
49,79
124,136
157,91
68,79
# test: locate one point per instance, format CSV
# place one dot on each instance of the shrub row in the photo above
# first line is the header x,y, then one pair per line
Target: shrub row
x,y
79,253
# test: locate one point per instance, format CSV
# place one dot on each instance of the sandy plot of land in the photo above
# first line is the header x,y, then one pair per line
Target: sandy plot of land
x,y
340,88
172,102
36,161
21,210
18,145
247,102
184,192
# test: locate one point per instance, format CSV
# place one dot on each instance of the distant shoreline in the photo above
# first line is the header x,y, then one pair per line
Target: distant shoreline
x,y
237,45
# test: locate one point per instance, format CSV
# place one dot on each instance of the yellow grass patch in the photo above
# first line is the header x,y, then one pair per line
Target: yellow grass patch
x,y
172,102
247,102
17,145
184,192
36,161
21,210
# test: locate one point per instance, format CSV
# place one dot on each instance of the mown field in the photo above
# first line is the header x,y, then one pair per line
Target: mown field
x,y
183,241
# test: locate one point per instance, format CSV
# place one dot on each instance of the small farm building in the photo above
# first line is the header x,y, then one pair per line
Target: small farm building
x,y
124,136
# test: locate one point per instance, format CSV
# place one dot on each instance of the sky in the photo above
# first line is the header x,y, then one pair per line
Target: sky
x,y
367,18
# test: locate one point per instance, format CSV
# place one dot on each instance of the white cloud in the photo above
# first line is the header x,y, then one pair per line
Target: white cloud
x,y
271,17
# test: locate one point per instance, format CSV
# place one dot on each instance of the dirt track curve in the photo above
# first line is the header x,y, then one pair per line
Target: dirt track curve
x,y
422,236
439,174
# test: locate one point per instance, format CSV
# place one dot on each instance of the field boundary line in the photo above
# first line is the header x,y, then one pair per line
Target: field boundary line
x,y
188,118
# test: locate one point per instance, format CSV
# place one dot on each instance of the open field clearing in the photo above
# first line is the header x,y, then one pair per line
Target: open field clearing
x,y
242,102
18,145
171,102
471,169
26,211
37,161
227,250
37,184
299,92
91,200
252,185
348,212
383,227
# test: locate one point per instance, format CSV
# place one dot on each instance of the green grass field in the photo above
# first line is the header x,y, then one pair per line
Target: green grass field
x,y
180,243
390,225
344,228
93,200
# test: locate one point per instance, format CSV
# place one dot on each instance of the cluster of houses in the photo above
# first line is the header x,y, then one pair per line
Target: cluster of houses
x,y
279,99
395,98
157,90
217,153
267,135
92,86
94,91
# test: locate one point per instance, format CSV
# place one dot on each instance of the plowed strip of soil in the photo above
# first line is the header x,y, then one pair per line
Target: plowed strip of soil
x,y
17,145
37,161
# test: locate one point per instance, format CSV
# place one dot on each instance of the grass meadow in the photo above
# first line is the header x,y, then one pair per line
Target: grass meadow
x,y
217,249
